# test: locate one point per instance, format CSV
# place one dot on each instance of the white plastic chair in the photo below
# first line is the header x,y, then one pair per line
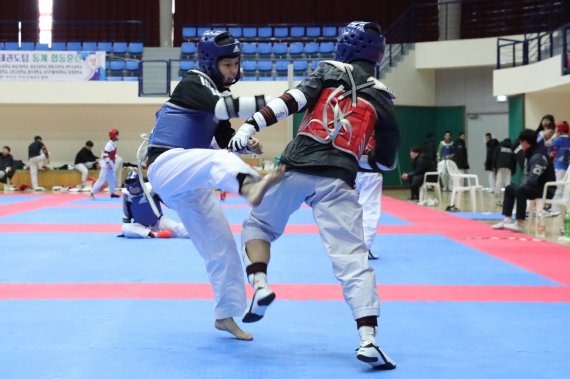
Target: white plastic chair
x,y
463,183
434,184
535,207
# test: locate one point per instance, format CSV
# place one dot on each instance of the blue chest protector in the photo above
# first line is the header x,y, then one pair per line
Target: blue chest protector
x,y
142,212
183,128
447,150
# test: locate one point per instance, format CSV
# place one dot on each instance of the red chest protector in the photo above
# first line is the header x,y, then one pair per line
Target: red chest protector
x,y
341,118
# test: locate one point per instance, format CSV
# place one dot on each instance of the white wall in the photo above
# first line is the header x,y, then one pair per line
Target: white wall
x,y
456,53
539,104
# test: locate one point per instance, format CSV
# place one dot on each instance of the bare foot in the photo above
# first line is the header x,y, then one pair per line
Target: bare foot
x,y
254,191
230,326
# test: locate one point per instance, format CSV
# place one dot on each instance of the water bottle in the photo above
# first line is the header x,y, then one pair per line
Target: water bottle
x,y
540,226
567,224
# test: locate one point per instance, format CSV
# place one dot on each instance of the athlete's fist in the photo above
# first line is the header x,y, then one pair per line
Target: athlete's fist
x,y
240,139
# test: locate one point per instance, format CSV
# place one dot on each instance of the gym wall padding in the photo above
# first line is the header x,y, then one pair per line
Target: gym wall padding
x,y
516,125
415,123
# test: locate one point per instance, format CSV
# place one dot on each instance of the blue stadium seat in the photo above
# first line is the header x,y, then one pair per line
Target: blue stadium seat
x,y
281,32
300,69
120,48
297,31
201,30
249,70
330,31
187,65
42,46
130,78
105,46
235,31
189,32
264,32
326,49
281,70
28,46
296,48
73,46
280,49
314,65
89,46
264,49
1,45
114,78
249,32
58,46
265,68
136,49
11,46
314,31
311,48
132,65
249,48
188,49
117,65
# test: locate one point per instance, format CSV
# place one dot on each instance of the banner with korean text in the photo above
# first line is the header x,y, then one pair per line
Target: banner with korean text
x,y
52,65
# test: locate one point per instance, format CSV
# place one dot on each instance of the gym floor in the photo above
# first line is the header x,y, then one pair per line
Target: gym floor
x,y
460,300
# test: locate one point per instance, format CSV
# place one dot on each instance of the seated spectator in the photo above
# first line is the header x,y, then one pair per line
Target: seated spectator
x,y
7,168
39,158
538,171
85,160
559,151
421,163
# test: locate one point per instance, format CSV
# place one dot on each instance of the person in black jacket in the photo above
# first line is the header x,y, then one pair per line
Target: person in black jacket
x,y
504,164
491,144
421,163
84,161
538,171
6,165
460,155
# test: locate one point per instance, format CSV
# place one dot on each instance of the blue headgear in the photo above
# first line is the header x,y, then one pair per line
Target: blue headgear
x,y
133,184
210,51
360,40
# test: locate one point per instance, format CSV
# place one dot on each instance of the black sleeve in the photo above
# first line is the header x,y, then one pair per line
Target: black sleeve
x,y
127,214
387,133
313,84
195,92
224,133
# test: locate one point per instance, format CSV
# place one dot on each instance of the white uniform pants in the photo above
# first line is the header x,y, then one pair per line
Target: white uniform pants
x,y
119,170
446,182
35,164
369,189
492,180
106,174
136,230
502,180
83,168
185,181
339,218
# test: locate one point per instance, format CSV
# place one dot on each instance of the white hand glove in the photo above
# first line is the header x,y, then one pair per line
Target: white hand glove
x,y
240,139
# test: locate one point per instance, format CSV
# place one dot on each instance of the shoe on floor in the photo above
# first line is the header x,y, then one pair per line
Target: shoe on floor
x,y
514,227
262,297
452,208
372,255
115,196
551,213
39,189
372,354
500,225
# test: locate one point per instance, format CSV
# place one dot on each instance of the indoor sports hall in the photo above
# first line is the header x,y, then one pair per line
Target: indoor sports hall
x,y
459,299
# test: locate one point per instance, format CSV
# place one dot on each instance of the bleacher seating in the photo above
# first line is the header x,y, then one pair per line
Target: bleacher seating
x,y
267,50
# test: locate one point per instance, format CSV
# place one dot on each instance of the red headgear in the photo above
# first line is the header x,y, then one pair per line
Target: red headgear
x,y
113,133
562,127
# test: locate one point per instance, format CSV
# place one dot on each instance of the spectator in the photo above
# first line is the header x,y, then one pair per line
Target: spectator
x,y
546,121
429,147
460,153
559,152
545,130
84,161
445,151
39,158
504,163
538,171
7,168
421,163
491,144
